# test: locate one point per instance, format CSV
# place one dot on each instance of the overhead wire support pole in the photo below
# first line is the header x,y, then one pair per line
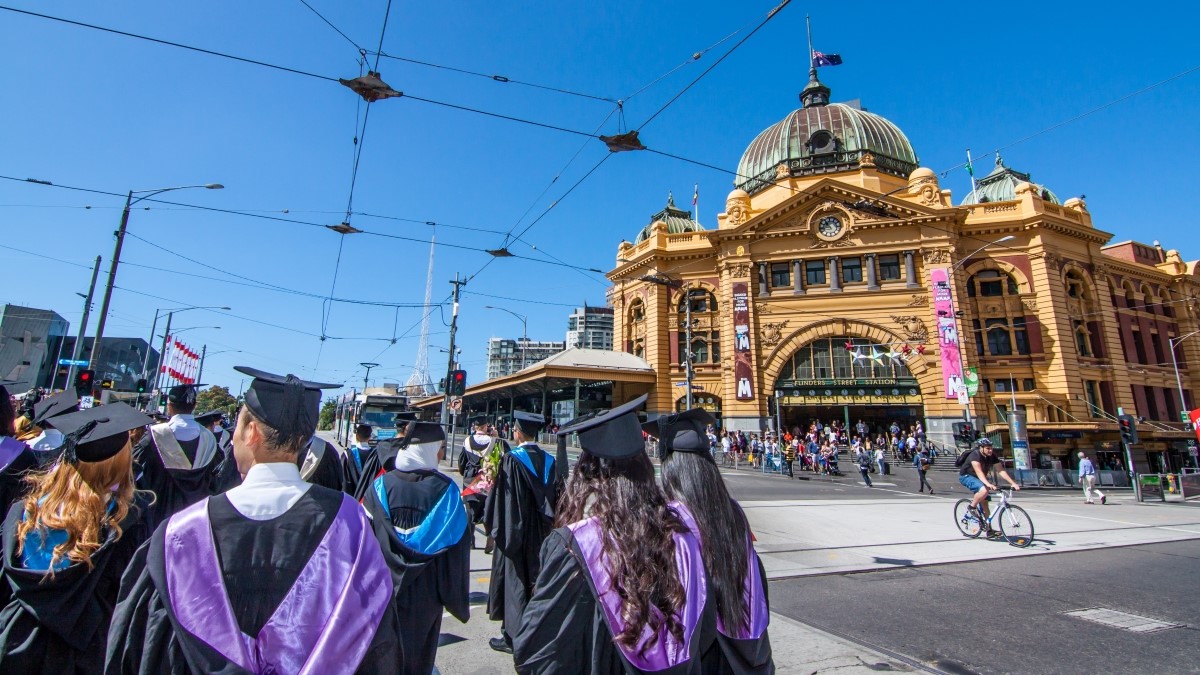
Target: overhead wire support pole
x,y
445,417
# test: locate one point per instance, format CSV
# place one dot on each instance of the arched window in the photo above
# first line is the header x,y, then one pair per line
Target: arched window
x,y
703,301
991,283
828,359
637,311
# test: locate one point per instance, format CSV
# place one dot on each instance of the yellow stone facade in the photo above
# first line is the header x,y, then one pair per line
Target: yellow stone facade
x,y
1055,273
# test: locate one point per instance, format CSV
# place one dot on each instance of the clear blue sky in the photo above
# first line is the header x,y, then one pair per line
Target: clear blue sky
x,y
96,110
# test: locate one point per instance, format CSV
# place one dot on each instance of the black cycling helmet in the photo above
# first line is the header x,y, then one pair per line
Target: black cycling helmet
x,y
984,441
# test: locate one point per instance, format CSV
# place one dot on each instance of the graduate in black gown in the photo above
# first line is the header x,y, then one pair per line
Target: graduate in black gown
x,y
381,461
422,525
518,515
470,465
179,460
693,483
66,545
323,464
16,458
228,476
357,455
275,576
622,586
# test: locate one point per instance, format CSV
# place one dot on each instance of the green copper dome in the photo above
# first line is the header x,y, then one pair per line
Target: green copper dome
x,y
824,137
677,220
1001,186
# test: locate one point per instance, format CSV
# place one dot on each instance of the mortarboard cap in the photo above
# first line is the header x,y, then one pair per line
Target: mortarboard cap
x,y
285,402
529,423
98,433
479,421
184,394
405,416
207,418
54,406
158,417
681,432
612,434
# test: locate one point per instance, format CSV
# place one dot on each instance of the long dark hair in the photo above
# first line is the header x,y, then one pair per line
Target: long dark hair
x,y
696,481
8,416
638,542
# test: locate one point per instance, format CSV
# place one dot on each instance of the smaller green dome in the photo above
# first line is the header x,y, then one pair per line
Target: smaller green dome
x,y
677,221
1001,186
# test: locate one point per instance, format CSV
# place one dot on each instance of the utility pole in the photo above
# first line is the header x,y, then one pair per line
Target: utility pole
x,y
162,358
445,419
87,307
112,278
200,370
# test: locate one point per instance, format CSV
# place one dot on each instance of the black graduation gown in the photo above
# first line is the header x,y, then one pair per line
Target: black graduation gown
x,y
564,632
264,560
60,624
351,472
471,462
519,514
12,478
425,585
176,489
329,471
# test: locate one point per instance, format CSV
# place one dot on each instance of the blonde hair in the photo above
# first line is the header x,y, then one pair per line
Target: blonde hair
x,y
75,498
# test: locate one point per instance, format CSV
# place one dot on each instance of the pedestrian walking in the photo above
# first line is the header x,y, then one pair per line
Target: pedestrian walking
x,y
1087,478
864,467
789,456
923,462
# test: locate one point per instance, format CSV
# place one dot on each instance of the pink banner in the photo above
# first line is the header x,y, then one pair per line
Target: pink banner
x,y
947,330
743,374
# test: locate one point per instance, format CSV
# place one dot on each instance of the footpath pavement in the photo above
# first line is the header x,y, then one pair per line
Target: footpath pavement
x,y
804,537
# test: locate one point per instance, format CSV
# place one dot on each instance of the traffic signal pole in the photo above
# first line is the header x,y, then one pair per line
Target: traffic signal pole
x,y
1137,489
445,418
87,308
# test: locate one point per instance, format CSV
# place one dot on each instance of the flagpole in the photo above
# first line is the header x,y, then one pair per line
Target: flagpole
x,y
812,66
971,171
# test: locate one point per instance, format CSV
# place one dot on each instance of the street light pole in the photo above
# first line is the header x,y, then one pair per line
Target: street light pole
x,y
1175,363
962,365
367,376
524,330
116,259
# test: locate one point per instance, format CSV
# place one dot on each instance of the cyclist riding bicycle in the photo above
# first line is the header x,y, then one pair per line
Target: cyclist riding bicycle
x,y
973,476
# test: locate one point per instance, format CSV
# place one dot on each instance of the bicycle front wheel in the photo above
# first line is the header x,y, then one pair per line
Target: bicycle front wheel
x,y
967,521
1016,526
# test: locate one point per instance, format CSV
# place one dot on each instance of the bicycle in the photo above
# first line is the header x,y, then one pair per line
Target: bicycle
x,y
1015,524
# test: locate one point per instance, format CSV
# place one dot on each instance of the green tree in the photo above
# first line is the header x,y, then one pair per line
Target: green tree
x,y
216,398
328,410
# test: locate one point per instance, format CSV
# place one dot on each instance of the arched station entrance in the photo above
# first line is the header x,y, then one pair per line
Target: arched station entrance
x,y
848,379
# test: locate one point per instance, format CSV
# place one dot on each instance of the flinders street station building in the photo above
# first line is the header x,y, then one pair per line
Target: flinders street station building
x,y
842,282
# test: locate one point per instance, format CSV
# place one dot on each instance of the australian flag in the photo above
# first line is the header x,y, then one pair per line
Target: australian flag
x,y
820,59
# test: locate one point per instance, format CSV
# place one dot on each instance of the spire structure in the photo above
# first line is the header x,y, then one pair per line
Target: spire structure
x,y
419,382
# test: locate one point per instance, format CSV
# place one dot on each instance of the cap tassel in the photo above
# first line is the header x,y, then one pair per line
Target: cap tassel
x,y
72,439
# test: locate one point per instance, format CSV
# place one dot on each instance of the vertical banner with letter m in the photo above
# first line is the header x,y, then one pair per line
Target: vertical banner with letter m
x,y
743,374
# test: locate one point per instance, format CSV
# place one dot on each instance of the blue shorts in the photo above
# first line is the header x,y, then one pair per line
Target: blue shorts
x,y
970,482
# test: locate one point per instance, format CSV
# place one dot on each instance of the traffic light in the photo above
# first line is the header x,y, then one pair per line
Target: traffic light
x,y
141,386
458,383
1128,429
162,400
83,382
964,433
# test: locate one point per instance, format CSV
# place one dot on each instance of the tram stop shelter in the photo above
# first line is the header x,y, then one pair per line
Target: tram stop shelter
x,y
561,387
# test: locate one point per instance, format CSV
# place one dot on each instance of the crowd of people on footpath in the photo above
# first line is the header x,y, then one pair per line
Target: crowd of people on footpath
x,y
817,448
187,545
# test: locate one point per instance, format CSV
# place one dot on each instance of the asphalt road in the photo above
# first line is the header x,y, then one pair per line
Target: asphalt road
x,y
1006,616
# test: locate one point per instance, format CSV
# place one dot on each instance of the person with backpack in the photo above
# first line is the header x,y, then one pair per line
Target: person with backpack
x,y
864,466
973,468
923,462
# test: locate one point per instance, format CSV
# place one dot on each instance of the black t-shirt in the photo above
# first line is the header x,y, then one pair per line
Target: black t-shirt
x,y
985,462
